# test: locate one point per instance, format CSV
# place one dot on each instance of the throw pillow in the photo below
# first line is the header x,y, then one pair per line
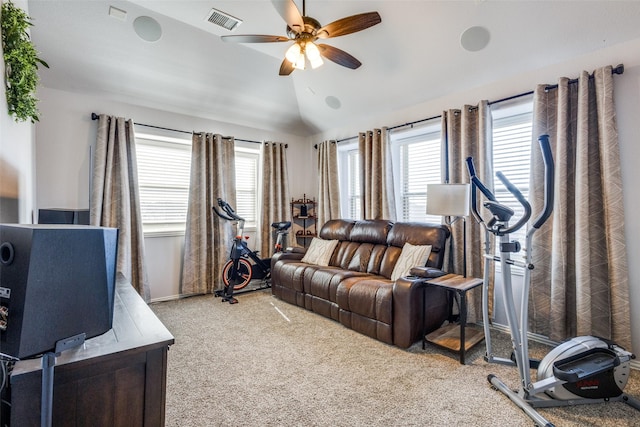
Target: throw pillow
x,y
411,256
320,251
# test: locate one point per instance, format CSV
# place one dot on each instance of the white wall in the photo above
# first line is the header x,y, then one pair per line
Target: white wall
x,y
66,132
627,98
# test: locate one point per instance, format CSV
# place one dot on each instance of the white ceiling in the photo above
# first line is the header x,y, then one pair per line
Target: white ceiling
x,y
413,56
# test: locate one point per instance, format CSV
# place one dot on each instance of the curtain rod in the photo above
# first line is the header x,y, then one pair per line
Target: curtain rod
x,y
95,116
616,70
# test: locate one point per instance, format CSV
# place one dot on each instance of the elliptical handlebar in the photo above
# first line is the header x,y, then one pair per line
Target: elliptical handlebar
x,y
477,184
231,215
525,204
549,171
547,156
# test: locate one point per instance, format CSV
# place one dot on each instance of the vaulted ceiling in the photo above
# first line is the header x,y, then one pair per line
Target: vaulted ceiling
x,y
414,55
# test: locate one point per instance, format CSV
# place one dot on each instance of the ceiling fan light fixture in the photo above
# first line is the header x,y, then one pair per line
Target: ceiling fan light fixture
x,y
293,53
314,55
299,64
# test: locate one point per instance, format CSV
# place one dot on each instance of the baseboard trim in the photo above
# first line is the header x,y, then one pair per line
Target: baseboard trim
x,y
544,340
171,297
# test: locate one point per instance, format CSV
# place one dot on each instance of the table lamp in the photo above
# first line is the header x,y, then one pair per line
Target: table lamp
x,y
452,202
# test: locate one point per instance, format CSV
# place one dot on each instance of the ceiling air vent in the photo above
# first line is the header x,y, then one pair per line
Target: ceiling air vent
x,y
223,20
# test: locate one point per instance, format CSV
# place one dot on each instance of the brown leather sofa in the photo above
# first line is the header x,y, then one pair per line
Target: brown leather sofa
x,y
355,288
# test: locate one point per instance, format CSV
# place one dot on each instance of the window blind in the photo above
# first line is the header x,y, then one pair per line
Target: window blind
x,y
419,166
512,157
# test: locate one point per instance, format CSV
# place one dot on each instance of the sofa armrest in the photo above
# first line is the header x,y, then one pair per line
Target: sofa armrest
x,y
426,272
408,309
296,250
288,255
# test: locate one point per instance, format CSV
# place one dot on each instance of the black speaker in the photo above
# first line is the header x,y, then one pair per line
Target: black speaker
x,y
63,216
56,281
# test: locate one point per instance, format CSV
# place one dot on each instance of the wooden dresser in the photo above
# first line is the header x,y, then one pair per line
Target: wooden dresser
x,y
116,379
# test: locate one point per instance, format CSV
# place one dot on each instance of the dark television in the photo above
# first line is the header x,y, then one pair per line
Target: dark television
x,y
56,281
63,216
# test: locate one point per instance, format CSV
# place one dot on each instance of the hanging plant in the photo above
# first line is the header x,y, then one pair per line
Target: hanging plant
x,y
21,63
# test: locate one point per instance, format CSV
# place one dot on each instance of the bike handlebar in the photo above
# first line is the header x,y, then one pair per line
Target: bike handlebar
x,y
231,215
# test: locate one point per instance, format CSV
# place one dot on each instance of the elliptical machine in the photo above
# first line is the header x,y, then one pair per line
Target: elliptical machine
x,y
582,370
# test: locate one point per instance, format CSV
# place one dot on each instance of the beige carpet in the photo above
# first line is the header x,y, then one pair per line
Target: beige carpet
x,y
264,362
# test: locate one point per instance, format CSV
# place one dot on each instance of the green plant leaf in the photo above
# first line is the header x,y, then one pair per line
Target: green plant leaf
x,y
21,63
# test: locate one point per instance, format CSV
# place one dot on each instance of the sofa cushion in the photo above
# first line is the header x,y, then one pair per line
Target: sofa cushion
x,y
336,229
320,251
371,231
417,233
411,256
369,297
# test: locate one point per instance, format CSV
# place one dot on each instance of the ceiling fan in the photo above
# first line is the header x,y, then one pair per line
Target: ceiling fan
x,y
304,31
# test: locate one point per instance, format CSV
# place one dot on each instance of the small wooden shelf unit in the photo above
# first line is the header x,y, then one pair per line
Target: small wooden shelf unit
x,y
303,226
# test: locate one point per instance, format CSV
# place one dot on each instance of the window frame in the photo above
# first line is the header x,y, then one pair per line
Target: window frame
x,y
349,180
166,228
427,133
242,149
507,111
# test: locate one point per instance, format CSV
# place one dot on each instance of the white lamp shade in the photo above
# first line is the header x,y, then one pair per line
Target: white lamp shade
x,y
448,199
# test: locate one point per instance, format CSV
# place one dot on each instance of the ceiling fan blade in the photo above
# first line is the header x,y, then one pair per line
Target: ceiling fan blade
x,y
254,38
348,25
290,13
338,56
286,68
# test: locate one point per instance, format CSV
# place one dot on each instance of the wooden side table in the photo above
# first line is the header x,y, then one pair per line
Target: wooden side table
x,y
455,337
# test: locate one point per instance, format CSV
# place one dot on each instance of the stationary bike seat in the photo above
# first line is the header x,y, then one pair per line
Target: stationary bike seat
x,y
281,226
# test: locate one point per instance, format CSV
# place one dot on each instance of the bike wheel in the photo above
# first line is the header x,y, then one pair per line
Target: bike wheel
x,y
242,276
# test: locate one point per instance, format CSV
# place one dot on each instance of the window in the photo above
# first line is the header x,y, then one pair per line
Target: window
x,y
247,169
163,179
349,176
416,155
512,132
164,168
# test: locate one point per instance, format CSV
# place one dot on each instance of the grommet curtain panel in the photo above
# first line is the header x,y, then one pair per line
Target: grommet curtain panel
x,y
275,192
376,175
208,238
580,285
115,198
467,133
328,189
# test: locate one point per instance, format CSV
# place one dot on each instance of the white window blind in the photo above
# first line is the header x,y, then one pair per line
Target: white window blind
x,y
247,164
353,192
163,179
164,168
512,157
349,180
419,164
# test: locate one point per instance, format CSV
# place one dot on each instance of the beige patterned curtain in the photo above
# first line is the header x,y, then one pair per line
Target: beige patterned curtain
x,y
207,240
115,199
328,189
376,175
580,285
275,192
467,133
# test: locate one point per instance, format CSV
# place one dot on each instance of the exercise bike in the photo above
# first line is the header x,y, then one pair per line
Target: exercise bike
x,y
581,370
239,271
